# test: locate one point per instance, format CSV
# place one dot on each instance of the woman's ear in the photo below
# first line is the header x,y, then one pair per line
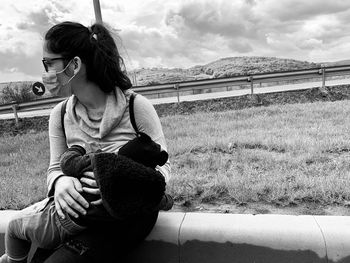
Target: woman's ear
x,y
74,66
77,64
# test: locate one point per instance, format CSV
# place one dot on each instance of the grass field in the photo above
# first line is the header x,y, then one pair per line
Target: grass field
x,y
253,160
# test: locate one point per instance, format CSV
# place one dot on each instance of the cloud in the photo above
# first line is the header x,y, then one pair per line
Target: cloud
x,y
311,43
337,50
241,46
22,32
29,65
183,33
214,17
37,22
146,44
27,24
293,10
14,67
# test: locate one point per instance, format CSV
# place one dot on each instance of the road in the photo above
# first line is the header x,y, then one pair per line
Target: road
x,y
205,96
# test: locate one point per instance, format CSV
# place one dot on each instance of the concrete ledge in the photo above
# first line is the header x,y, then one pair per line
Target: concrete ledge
x,y
205,237
336,232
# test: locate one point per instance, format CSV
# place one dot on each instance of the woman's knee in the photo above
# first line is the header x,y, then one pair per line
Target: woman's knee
x,y
21,221
16,246
14,227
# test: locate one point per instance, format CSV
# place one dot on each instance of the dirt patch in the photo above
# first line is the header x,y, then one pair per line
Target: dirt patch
x,y
25,125
263,208
334,93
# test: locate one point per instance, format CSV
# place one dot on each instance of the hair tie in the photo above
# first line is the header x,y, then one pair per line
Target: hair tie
x,y
92,34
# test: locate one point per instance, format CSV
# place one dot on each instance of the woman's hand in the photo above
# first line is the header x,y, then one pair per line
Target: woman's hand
x,y
67,197
90,180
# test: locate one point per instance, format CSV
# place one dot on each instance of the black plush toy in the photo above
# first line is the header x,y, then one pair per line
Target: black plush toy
x,y
145,151
128,182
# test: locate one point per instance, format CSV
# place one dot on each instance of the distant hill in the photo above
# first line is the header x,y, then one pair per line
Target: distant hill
x,y
225,67
337,63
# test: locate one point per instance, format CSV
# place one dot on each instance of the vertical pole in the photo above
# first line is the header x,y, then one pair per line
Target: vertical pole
x,y
14,108
135,79
323,78
97,8
176,86
251,85
323,86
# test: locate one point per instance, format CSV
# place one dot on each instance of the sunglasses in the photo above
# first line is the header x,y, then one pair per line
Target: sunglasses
x,y
47,62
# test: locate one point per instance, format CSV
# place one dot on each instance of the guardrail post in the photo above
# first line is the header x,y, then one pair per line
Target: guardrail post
x,y
323,72
323,77
250,79
15,108
176,86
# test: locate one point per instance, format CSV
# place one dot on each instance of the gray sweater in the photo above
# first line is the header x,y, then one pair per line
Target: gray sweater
x,y
108,134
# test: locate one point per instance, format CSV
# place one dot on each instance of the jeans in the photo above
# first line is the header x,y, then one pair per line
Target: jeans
x,y
109,242
38,224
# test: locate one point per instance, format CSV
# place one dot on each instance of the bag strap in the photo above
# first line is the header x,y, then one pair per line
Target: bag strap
x,y
63,112
131,112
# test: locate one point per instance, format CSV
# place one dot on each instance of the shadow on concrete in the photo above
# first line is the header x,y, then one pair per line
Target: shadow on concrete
x,y
146,252
208,252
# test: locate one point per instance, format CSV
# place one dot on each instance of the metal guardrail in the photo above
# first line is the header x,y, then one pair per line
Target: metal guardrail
x,y
178,87
46,102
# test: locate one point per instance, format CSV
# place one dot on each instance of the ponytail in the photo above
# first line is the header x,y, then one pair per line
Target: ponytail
x,y
96,48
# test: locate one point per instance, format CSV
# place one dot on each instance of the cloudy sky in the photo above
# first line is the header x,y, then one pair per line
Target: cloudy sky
x,y
181,33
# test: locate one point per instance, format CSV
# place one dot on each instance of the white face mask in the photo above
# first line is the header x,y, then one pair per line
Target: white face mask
x,y
52,84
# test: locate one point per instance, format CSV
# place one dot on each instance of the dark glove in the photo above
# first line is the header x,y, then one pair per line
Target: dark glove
x,y
166,203
74,161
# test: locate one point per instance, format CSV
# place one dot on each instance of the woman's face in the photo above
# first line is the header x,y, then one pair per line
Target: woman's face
x,y
60,76
52,61
55,62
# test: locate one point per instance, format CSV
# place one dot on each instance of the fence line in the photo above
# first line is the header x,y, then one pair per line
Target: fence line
x,y
179,87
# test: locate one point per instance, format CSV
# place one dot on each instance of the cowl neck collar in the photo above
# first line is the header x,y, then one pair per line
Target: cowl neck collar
x,y
112,115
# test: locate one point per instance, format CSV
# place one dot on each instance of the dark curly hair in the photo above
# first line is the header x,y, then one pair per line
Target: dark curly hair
x,y
95,47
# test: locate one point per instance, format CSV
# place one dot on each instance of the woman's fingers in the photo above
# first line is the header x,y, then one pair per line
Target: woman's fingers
x,y
97,202
88,181
59,209
89,174
77,185
68,209
75,203
67,198
77,196
94,191
69,205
